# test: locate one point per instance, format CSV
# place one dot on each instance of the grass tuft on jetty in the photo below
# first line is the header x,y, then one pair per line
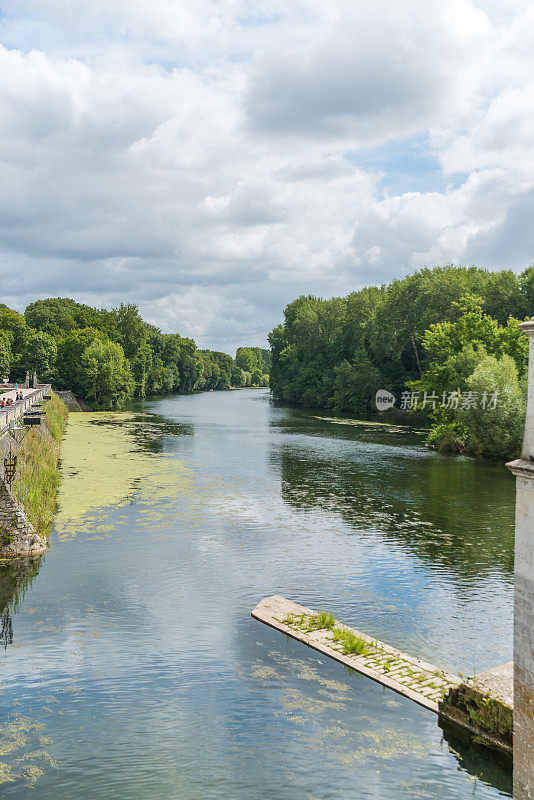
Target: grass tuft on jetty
x,y
324,620
37,479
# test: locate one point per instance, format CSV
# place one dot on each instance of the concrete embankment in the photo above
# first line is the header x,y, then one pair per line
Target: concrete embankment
x,y
28,500
72,402
483,706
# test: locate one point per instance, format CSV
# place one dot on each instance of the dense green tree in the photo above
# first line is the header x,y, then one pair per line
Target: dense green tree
x,y
495,431
5,354
389,323
39,354
251,358
60,315
106,374
526,283
355,383
473,328
69,355
313,330
142,365
449,374
245,359
491,415
428,331
237,376
130,329
278,378
13,325
158,362
221,369
256,377
191,366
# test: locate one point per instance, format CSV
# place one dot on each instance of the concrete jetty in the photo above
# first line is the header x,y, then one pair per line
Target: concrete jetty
x,y
421,682
481,705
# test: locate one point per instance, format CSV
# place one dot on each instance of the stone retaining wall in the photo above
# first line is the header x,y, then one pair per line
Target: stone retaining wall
x,y
18,537
523,469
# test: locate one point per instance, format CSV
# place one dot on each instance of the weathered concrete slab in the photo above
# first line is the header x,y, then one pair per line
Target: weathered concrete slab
x,y
484,706
421,682
498,682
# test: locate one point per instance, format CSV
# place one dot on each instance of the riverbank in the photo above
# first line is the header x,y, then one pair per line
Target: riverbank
x,y
28,505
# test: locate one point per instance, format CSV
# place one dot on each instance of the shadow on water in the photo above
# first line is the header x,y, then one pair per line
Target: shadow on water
x,y
454,513
488,765
16,577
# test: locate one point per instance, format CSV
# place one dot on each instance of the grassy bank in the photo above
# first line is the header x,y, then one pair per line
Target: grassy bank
x,y
37,479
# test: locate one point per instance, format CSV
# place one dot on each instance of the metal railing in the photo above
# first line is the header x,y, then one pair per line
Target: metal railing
x,y
15,410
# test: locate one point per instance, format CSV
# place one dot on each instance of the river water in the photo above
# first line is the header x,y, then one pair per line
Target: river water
x,y
131,667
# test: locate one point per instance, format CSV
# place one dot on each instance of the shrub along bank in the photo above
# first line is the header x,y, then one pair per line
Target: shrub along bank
x,y
37,479
443,341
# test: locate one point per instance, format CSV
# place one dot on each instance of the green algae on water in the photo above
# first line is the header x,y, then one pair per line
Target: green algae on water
x,y
105,465
23,756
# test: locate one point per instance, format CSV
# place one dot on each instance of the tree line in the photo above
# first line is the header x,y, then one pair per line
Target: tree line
x,y
447,333
107,356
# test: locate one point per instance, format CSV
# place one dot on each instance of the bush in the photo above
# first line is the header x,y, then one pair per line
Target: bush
x,y
448,437
492,432
106,374
56,416
497,432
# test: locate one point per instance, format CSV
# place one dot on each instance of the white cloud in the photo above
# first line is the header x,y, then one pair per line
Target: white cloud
x,y
209,164
384,70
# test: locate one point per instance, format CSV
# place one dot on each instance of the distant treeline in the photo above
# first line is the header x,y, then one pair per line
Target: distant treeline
x,y
108,356
443,330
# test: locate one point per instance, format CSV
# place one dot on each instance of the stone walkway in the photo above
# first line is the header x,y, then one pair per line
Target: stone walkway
x,y
411,677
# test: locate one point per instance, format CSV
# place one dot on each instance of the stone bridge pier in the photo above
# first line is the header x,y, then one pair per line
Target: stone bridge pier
x,y
523,469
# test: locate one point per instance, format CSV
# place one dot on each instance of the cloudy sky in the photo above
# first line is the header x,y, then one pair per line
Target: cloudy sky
x,y
212,160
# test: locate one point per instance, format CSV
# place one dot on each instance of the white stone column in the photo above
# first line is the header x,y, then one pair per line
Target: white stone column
x,y
523,469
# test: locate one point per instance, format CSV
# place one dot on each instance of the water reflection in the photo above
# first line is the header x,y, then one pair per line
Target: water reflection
x,y
148,431
136,649
16,577
493,767
452,513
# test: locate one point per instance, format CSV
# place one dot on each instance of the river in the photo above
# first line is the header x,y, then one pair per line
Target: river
x,y
131,667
